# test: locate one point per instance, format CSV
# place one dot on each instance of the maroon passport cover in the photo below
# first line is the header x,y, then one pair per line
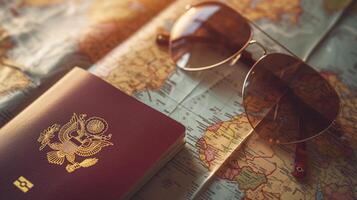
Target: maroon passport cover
x,y
82,139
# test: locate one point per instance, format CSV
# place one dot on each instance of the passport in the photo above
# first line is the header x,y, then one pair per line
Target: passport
x,y
84,139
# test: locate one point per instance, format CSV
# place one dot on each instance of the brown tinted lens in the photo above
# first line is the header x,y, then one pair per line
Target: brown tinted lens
x,y
207,34
287,101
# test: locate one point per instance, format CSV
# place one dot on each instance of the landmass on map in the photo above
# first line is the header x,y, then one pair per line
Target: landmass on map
x,y
261,169
11,78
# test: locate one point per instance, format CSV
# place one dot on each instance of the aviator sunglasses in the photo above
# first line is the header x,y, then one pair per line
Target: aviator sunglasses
x,y
285,100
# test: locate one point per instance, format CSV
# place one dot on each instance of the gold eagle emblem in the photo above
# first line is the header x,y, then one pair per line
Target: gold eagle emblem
x,y
80,136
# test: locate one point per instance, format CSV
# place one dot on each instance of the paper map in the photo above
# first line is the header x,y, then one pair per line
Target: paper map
x,y
83,32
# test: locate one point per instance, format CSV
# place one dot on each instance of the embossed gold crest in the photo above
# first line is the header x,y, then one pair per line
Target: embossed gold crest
x,y
79,137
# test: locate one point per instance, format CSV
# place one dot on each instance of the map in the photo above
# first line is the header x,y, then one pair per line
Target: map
x,y
45,39
270,168
223,157
208,103
10,79
113,22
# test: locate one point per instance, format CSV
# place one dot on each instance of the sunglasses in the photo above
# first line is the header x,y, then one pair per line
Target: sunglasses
x,y
285,100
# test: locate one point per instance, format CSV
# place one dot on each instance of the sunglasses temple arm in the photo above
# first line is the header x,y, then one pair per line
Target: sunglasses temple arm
x,y
300,163
301,157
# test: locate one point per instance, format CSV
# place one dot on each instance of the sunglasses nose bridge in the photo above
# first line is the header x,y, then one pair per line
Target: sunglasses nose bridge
x,y
239,56
254,42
